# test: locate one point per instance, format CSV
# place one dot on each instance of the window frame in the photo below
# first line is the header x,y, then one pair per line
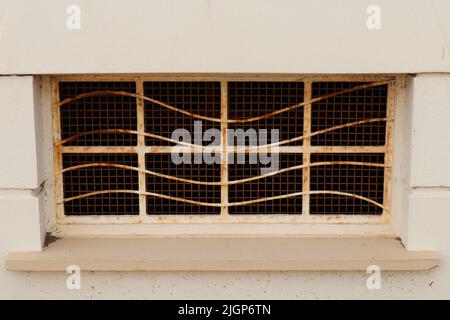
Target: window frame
x,y
220,222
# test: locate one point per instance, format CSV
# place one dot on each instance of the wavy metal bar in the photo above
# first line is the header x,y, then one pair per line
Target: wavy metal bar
x,y
314,100
290,195
163,196
198,116
233,182
230,204
146,134
153,173
314,164
208,148
315,133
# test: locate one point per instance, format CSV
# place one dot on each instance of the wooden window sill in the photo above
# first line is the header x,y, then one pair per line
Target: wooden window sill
x,y
222,254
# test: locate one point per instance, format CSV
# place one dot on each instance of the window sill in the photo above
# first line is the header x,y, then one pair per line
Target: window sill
x,y
223,254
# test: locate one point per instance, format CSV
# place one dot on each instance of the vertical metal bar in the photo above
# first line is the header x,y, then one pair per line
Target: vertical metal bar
x,y
141,149
386,216
306,148
57,154
224,144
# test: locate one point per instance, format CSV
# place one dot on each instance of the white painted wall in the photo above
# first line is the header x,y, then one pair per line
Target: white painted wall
x,y
430,163
293,36
17,120
175,36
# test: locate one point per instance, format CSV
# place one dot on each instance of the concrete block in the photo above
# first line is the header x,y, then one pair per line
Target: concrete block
x,y
18,161
429,219
430,155
20,226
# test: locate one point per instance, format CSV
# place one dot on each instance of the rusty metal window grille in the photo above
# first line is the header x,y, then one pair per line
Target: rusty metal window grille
x,y
113,149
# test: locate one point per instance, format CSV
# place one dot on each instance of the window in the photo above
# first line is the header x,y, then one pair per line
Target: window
x,y
150,149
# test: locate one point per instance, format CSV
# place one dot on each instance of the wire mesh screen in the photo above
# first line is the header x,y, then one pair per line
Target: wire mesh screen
x,y
163,163
241,167
364,104
98,112
201,98
253,99
361,180
101,175
100,178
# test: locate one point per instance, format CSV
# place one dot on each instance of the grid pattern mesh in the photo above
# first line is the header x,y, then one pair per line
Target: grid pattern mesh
x,y
350,107
245,100
98,113
361,180
163,163
252,99
287,182
86,180
201,98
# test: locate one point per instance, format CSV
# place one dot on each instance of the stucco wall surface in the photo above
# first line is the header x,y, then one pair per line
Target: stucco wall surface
x,y
210,36
324,36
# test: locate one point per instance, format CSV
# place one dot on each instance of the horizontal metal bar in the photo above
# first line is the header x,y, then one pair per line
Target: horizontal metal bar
x,y
230,149
202,77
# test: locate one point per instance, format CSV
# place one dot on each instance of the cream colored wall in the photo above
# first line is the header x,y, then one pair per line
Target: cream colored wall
x,y
181,37
293,36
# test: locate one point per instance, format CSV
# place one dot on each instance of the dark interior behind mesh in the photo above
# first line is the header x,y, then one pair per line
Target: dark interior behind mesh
x,y
92,179
288,182
350,107
201,98
245,99
162,163
252,99
98,113
361,180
